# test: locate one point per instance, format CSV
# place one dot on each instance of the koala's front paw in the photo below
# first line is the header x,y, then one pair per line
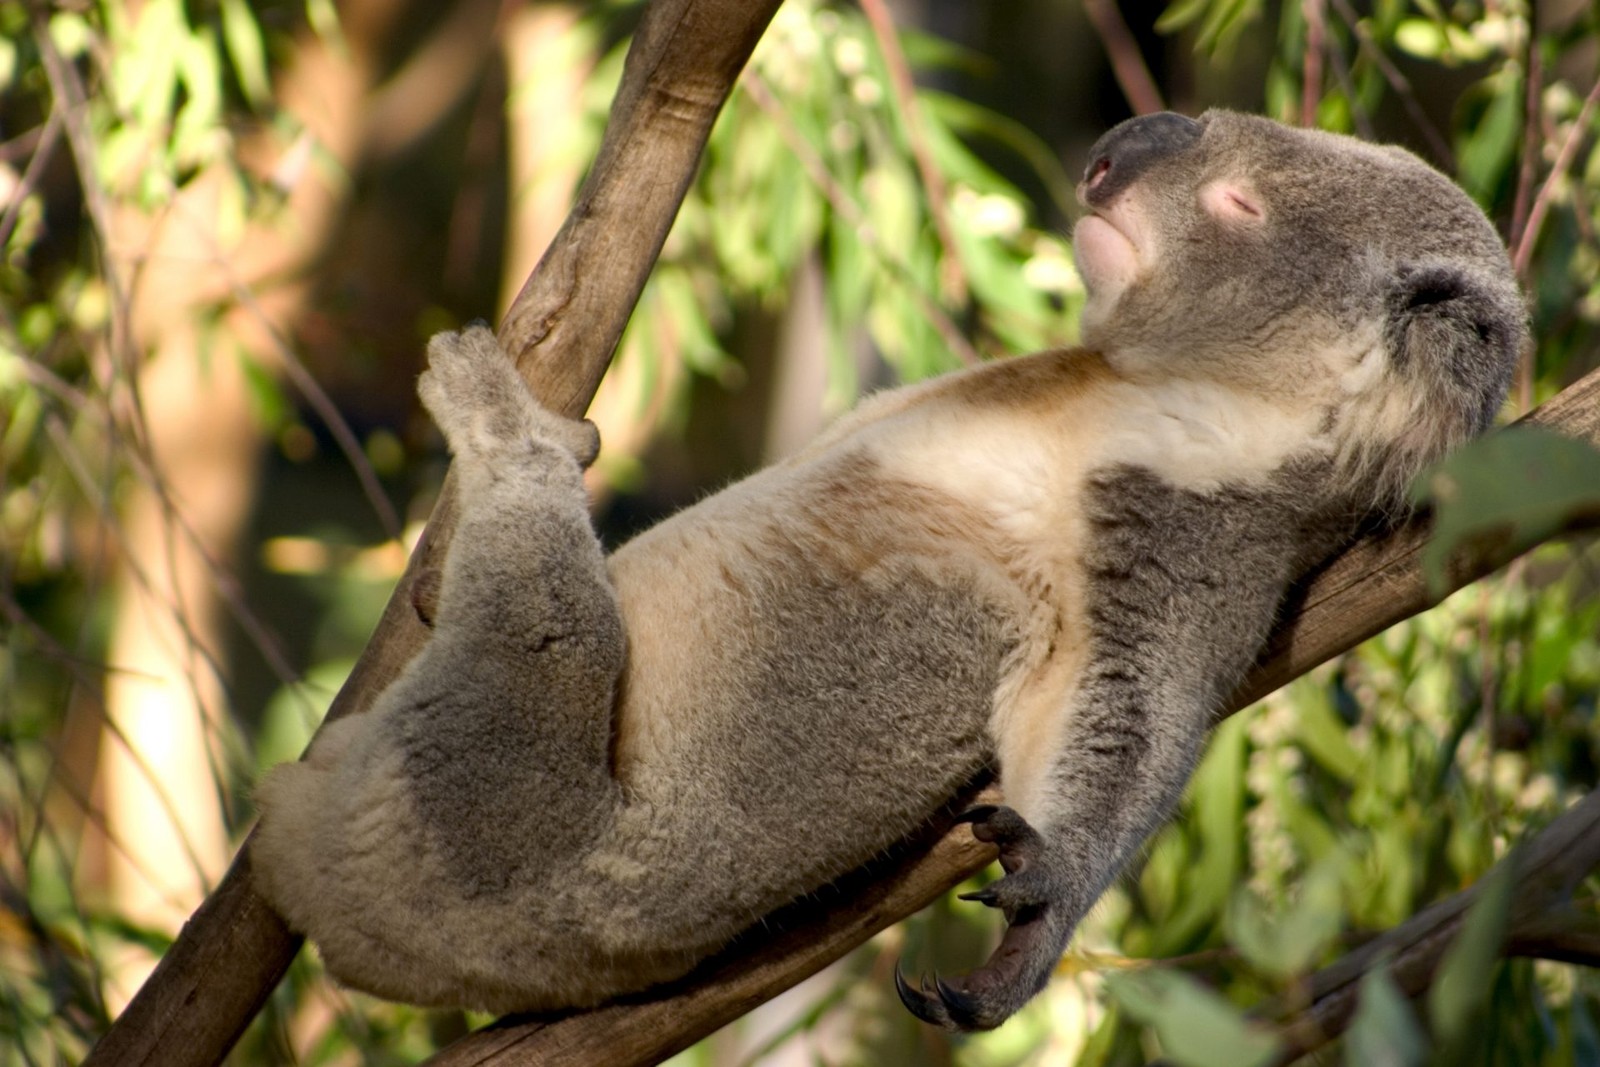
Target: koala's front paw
x,y
480,402
1040,911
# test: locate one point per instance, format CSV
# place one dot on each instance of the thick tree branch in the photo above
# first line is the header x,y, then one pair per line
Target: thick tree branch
x,y
561,329
1371,586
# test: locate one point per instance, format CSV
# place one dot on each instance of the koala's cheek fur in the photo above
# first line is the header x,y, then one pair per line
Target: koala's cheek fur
x,y
1057,567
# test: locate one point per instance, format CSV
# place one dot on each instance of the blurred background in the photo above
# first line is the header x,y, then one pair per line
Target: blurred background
x,y
229,226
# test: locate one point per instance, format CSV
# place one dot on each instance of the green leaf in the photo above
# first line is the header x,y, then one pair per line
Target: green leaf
x,y
1584,1037
1289,944
1196,1027
1524,481
1461,988
1485,152
1217,817
70,34
1384,1032
242,36
324,20
1181,13
1323,735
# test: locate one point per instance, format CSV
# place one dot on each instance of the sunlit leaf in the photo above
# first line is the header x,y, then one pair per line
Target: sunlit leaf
x,y
245,48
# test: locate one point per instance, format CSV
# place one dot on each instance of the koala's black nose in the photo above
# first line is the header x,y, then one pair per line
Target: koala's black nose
x,y
1128,148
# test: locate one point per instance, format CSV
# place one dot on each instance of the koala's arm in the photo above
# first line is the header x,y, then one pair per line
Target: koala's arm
x,y
1181,588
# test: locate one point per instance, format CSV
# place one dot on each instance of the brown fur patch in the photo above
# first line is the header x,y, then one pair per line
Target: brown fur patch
x,y
1044,378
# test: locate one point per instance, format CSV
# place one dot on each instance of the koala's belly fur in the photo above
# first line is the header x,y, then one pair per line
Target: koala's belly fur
x,y
817,659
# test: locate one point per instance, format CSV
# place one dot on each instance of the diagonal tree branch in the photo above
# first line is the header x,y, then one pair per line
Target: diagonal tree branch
x,y
1545,868
561,329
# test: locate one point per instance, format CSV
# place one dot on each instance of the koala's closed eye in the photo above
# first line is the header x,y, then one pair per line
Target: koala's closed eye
x,y
1232,201
602,768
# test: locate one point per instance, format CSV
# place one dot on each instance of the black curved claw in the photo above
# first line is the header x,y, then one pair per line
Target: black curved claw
x,y
944,1005
986,895
918,1002
961,1010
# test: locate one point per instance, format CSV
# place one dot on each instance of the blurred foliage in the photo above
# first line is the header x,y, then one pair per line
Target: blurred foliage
x,y
1334,810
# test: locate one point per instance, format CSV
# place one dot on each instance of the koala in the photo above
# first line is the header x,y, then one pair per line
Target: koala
x,y
1055,568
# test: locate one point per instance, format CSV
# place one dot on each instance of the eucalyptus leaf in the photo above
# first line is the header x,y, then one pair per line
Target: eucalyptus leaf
x,y
1289,944
1524,481
1384,1032
242,35
1461,988
1196,1026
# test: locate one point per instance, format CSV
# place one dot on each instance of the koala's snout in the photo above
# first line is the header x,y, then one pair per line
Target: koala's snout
x,y
1128,149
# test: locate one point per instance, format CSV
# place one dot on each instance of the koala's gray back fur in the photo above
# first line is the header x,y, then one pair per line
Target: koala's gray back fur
x,y
1057,567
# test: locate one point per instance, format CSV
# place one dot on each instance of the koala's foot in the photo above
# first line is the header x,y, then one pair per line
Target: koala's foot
x,y
482,405
1038,905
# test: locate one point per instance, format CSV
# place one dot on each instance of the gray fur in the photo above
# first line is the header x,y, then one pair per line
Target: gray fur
x,y
600,769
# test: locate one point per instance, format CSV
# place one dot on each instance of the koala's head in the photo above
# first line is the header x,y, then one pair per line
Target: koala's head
x,y
1304,263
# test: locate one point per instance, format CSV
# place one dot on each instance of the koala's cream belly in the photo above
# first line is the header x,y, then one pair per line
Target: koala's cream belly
x,y
860,649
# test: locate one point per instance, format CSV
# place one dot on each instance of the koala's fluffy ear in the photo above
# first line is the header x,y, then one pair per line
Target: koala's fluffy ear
x,y
1456,333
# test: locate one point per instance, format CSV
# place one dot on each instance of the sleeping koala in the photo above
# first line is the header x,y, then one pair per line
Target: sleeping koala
x,y
602,768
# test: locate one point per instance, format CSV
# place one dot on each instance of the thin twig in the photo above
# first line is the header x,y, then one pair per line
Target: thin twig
x,y
48,135
193,646
952,275
224,583
16,616
1522,254
1311,76
1347,83
71,101
1527,175
1528,166
322,404
1398,82
1127,64
1546,868
852,213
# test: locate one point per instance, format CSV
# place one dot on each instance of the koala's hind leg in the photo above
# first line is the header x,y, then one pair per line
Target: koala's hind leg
x,y
505,725
416,841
